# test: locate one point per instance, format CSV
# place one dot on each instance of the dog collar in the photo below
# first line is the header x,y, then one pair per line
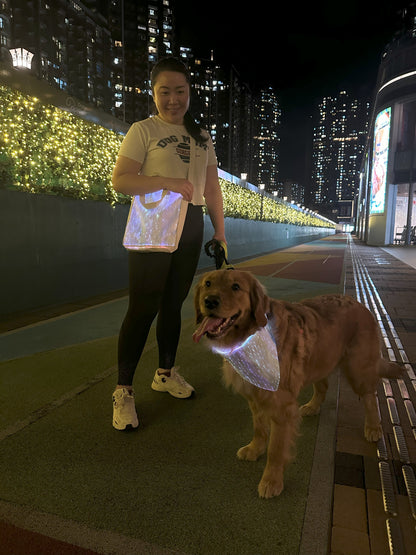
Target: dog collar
x,y
256,359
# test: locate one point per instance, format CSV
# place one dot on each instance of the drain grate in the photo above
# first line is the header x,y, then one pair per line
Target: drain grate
x,y
389,498
410,481
401,444
382,449
394,415
395,537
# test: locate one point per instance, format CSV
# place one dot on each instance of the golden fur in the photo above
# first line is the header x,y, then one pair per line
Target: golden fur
x,y
313,338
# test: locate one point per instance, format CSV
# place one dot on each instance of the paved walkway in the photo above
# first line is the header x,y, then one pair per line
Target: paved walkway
x,y
362,497
374,486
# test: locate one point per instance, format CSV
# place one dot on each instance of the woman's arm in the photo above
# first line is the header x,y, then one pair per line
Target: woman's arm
x,y
213,199
127,179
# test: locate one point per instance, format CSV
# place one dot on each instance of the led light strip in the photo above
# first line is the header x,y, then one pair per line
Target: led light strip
x,y
399,78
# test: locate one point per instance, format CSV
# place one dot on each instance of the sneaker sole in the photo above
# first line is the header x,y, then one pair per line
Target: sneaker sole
x,y
160,390
126,428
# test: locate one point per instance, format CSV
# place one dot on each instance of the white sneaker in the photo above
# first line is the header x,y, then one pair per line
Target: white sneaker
x,y
124,409
173,384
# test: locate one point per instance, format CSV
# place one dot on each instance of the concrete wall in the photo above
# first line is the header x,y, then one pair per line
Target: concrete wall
x,y
55,250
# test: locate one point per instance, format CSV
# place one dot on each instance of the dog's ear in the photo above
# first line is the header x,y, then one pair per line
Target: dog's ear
x,y
198,313
259,302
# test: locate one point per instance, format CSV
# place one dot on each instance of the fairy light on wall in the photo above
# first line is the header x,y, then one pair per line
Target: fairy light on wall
x,y
53,151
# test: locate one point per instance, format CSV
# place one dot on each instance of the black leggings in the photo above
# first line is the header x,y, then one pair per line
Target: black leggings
x,y
159,284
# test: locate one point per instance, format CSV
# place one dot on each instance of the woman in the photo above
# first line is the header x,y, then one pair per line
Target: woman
x,y
155,155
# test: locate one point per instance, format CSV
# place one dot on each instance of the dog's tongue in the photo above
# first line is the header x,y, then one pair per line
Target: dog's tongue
x,y
208,324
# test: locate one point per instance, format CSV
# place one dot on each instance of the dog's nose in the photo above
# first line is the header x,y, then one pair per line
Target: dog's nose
x,y
212,301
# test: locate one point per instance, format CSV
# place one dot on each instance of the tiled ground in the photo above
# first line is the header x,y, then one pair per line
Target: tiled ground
x,y
363,521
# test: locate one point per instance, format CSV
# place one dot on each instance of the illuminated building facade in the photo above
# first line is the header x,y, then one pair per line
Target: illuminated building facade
x,y
339,139
223,104
96,51
141,32
100,53
292,191
68,44
387,200
266,139
210,102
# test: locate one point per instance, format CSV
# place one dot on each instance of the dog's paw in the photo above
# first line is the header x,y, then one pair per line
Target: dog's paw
x,y
309,410
373,433
248,453
270,488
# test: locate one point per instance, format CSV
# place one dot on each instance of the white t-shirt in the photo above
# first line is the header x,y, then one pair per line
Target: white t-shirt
x,y
166,150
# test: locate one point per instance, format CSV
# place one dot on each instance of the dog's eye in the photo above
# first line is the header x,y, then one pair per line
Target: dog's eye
x,y
235,287
207,283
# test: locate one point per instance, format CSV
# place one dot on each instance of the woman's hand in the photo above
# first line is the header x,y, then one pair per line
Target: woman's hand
x,y
220,237
182,186
127,179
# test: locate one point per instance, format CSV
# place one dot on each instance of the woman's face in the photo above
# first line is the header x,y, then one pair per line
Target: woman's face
x,y
171,96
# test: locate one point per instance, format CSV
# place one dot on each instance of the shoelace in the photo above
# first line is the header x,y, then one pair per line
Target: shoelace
x,y
122,399
174,374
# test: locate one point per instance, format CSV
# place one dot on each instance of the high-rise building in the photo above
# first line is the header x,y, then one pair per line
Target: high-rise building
x,y
96,51
141,33
291,191
101,53
339,139
64,43
266,139
223,105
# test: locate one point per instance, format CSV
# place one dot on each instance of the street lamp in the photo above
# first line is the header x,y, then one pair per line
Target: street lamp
x,y
21,58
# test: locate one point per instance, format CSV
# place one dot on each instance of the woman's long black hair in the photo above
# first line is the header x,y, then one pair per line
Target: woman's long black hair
x,y
173,64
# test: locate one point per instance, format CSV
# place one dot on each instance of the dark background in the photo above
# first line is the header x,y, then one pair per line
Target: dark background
x,y
304,51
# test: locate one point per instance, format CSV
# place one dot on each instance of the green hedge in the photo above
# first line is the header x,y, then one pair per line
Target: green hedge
x,y
44,149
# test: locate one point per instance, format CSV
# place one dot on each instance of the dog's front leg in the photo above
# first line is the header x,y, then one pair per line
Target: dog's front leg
x,y
372,428
258,444
282,437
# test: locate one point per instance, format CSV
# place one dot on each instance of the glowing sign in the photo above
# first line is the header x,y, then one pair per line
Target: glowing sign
x,y
380,159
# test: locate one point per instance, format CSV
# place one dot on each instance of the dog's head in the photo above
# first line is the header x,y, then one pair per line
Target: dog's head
x,y
230,305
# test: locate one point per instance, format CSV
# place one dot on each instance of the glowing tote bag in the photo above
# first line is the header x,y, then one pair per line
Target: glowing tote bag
x,y
155,222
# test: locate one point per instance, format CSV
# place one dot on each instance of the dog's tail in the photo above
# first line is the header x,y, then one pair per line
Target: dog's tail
x,y
392,370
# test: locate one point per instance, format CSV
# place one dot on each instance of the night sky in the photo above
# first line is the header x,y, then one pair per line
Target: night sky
x,y
303,51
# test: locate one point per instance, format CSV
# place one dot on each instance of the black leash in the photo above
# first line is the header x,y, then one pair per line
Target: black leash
x,y
218,250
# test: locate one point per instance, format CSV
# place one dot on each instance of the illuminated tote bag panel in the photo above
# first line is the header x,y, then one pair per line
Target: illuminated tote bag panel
x,y
155,222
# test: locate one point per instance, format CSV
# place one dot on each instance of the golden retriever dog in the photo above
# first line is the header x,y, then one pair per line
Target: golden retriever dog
x,y
313,337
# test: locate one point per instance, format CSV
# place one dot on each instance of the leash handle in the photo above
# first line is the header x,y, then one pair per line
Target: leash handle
x,y
218,250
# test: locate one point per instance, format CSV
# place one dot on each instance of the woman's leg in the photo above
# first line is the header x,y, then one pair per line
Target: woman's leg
x,y
147,278
179,280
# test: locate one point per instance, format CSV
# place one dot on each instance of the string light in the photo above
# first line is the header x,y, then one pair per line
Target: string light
x,y
55,152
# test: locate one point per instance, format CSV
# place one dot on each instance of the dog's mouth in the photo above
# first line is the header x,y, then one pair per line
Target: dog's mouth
x,y
214,327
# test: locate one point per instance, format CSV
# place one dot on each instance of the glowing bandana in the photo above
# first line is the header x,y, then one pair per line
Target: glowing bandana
x,y
256,359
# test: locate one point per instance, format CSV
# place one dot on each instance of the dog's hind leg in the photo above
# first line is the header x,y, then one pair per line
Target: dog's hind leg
x,y
314,405
261,428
